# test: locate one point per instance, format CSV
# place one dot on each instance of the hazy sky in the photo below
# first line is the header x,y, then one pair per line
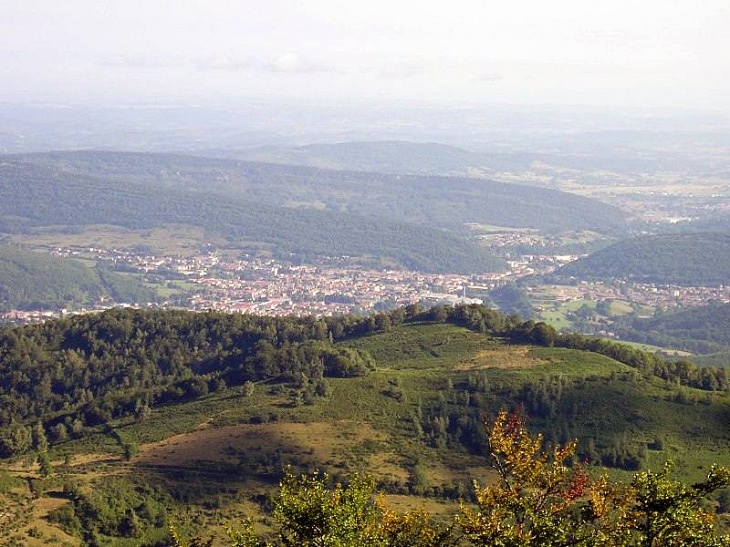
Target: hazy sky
x,y
608,52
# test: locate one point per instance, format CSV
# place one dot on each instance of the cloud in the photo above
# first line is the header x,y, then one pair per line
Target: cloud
x,y
141,62
398,70
489,77
293,63
283,63
225,63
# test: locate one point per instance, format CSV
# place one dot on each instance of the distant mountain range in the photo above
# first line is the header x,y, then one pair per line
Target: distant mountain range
x,y
417,221
400,157
441,202
595,150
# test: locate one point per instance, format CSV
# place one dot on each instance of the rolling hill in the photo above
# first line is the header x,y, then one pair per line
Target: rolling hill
x,y
696,258
606,150
189,418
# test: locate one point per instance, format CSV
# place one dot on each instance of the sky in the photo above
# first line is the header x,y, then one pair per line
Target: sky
x,y
638,53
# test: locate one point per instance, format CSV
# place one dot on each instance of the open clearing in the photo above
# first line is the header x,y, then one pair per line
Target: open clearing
x,y
505,357
328,443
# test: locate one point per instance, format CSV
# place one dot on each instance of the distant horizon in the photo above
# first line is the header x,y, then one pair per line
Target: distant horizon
x,y
568,52
187,127
227,103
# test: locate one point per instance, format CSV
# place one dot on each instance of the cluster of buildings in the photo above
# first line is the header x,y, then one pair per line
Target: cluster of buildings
x,y
248,284
336,285
269,287
333,285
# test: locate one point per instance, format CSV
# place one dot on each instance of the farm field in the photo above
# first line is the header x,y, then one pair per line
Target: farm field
x,y
164,240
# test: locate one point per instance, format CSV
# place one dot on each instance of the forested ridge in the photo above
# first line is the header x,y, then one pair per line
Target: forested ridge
x,y
86,370
700,329
41,196
693,258
382,156
193,414
440,202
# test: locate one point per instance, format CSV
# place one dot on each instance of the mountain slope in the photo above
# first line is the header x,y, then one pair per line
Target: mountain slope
x,y
702,329
190,417
701,258
35,195
442,202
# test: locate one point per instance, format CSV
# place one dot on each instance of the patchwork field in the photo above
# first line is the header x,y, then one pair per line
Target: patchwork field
x,y
172,239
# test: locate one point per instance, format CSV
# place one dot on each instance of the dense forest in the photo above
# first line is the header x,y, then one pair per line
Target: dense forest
x,y
31,280
437,202
84,371
698,258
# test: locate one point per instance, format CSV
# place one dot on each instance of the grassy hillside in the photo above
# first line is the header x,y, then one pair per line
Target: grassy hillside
x,y
599,398
414,422
30,280
441,202
701,258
